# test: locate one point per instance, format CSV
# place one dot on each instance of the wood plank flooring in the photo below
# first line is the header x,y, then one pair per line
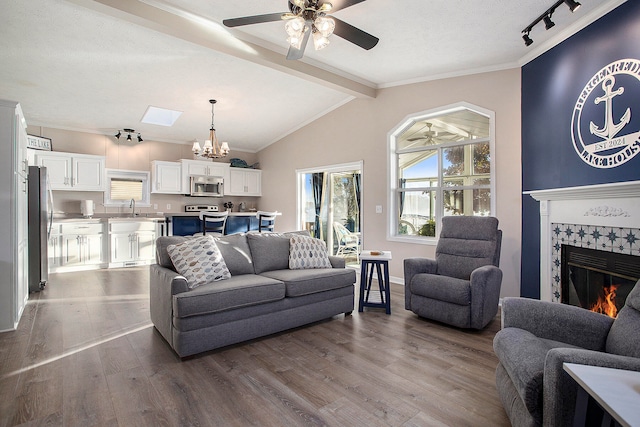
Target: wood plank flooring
x,y
86,354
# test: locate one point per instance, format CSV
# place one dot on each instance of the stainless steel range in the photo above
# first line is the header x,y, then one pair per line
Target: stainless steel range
x,y
201,208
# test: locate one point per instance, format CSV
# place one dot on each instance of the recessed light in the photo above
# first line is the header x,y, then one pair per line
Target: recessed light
x,y
160,116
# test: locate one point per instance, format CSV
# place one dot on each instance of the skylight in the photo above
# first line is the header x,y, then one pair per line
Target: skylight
x,y
160,116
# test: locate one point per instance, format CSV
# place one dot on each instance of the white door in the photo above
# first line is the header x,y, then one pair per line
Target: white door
x,y
121,247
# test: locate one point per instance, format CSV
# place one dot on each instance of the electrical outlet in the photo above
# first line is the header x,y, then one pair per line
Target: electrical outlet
x,y
168,206
378,208
155,206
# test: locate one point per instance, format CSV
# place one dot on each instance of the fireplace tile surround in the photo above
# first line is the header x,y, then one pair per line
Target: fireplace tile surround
x,y
603,216
608,239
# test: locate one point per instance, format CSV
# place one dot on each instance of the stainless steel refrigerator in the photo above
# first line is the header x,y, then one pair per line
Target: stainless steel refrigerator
x,y
40,222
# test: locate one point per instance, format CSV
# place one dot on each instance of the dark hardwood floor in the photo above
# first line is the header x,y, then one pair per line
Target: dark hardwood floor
x,y
86,354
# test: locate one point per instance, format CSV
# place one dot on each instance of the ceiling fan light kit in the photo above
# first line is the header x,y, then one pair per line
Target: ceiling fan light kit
x,y
306,17
546,17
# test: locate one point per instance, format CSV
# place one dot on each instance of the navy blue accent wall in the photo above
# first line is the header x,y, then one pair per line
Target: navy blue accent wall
x,y
551,85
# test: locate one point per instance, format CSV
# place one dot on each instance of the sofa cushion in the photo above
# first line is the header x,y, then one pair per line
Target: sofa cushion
x,y
199,261
307,252
236,253
162,256
305,282
623,338
238,291
443,288
270,251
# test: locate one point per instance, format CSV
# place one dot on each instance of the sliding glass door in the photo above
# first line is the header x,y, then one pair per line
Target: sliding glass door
x,y
329,200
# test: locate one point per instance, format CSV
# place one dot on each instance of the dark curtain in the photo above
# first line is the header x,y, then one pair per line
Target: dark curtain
x,y
317,182
403,182
357,178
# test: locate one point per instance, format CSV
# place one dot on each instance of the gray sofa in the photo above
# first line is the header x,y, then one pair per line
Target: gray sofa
x,y
262,297
538,337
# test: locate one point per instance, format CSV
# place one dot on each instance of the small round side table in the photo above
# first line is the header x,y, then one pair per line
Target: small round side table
x,y
380,261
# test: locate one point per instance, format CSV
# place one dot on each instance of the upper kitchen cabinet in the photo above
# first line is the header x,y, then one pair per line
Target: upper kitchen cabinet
x,y
245,182
70,171
199,167
166,177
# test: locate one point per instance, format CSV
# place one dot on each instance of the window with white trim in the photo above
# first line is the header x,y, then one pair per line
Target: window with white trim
x,y
440,165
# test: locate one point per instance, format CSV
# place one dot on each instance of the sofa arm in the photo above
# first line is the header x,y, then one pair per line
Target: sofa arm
x,y
337,262
559,322
559,389
413,266
163,284
485,294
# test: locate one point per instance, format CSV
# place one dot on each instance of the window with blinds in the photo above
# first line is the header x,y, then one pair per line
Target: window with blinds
x,y
126,189
124,185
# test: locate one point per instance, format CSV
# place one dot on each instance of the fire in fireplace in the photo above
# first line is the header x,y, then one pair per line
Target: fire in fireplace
x,y
597,280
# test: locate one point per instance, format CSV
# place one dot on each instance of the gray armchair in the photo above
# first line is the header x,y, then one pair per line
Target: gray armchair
x,y
538,337
461,287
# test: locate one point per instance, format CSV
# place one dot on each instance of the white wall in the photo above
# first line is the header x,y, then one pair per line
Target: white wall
x,y
358,131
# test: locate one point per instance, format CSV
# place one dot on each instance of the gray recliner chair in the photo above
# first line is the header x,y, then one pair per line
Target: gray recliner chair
x,y
461,287
538,337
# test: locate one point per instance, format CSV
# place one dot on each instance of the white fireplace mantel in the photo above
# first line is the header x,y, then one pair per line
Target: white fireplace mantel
x,y
615,190
611,205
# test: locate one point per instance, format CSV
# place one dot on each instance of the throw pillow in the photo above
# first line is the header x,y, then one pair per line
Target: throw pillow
x,y
199,260
307,252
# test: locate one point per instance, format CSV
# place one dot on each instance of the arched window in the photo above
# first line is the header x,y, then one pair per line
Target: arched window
x,y
440,165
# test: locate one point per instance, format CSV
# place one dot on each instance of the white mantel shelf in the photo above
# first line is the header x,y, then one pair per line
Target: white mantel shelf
x,y
615,190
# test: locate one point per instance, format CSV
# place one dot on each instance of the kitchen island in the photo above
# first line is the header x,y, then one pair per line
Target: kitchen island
x,y
188,223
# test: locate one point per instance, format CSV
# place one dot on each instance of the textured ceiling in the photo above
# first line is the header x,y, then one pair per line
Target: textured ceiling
x,y
97,65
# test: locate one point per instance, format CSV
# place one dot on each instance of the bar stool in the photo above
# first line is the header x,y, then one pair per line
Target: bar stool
x,y
380,261
213,222
266,220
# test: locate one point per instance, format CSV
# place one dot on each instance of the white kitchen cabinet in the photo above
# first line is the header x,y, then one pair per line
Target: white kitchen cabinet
x,y
83,246
199,167
14,271
166,177
70,171
132,242
54,248
245,182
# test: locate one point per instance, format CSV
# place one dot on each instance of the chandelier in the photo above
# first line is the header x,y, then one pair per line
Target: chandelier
x,y
212,148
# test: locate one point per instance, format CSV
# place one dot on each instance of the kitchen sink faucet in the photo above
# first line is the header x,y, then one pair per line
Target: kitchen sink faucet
x,y
132,205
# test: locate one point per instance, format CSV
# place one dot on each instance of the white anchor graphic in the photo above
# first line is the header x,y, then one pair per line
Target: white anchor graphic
x,y
610,129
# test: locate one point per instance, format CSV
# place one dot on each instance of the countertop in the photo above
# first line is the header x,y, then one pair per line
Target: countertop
x,y
106,217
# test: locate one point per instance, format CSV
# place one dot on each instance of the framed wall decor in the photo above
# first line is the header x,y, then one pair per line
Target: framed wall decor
x,y
38,143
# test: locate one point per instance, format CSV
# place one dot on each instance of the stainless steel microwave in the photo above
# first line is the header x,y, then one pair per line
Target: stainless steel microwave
x,y
206,186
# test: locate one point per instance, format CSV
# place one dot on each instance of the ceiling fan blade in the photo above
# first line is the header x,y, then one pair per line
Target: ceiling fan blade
x,y
354,35
248,20
342,4
294,53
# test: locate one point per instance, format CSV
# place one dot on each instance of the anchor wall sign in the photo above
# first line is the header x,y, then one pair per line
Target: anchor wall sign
x,y
602,130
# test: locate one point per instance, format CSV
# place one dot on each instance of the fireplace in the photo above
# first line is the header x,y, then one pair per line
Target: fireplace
x,y
597,280
603,217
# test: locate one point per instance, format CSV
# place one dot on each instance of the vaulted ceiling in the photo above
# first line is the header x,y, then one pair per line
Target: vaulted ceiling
x,y
97,65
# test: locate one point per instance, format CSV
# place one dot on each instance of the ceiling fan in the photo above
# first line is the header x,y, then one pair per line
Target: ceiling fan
x,y
427,136
309,18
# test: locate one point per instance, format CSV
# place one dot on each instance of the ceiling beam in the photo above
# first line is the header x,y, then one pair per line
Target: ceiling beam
x,y
212,35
